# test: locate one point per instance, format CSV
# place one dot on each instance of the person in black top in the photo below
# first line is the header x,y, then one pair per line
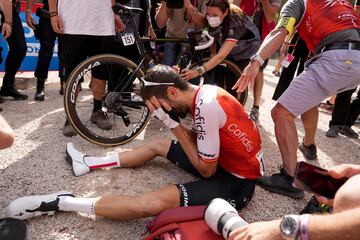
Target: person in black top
x,y
47,37
16,55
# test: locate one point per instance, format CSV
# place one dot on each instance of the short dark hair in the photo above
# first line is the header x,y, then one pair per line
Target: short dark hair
x,y
162,74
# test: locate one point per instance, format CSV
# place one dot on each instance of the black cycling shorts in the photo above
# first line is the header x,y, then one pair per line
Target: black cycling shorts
x,y
238,192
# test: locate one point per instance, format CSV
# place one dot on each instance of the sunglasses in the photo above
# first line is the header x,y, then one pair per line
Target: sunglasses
x,y
145,83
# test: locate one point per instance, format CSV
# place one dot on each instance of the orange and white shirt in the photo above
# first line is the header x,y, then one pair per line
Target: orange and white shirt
x,y
225,133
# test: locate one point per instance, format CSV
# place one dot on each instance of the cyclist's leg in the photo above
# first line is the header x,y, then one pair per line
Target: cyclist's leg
x,y
128,159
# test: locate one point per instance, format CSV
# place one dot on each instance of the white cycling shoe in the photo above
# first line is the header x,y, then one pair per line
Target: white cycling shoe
x,y
76,160
32,206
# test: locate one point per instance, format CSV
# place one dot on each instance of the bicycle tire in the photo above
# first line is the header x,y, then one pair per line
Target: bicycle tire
x,y
226,65
70,104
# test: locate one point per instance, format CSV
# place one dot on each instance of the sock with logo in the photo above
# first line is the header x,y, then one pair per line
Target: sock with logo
x,y
111,161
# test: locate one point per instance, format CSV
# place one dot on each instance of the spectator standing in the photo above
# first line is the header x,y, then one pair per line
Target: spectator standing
x,y
335,67
309,118
86,30
264,14
178,22
47,37
16,54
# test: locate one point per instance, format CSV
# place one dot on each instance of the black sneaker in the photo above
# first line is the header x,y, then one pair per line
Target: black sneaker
x,y
281,183
313,206
309,152
347,131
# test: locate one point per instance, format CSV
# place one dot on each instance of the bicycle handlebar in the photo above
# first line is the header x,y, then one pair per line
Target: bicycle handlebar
x,y
206,45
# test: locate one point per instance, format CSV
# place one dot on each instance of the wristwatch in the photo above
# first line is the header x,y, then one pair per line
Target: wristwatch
x,y
256,57
201,70
290,227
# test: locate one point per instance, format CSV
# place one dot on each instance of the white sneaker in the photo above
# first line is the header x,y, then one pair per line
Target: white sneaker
x,y
32,206
76,160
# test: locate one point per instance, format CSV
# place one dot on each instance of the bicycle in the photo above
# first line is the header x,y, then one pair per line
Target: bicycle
x,y
122,105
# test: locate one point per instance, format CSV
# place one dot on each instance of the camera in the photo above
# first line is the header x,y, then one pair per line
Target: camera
x,y
175,4
222,218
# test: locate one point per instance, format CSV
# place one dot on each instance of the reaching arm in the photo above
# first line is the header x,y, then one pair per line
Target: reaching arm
x,y
269,10
161,16
224,51
196,16
6,134
272,42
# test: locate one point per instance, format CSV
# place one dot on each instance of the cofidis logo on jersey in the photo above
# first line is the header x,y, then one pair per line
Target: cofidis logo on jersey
x,y
242,136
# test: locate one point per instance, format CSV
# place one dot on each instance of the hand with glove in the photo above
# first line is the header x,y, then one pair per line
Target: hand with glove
x,y
163,112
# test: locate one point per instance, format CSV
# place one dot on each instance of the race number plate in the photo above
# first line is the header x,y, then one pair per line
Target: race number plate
x,y
128,39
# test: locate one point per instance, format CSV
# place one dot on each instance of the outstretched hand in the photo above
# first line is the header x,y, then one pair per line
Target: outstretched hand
x,y
257,231
247,77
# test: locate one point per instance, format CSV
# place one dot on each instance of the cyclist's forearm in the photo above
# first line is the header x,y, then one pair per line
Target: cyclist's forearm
x,y
161,16
191,151
330,228
52,5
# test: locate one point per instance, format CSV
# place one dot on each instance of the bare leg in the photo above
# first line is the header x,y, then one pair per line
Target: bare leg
x,y
286,136
131,207
258,86
98,88
140,155
310,120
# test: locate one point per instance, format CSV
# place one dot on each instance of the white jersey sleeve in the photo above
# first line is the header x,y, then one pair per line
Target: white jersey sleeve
x,y
209,117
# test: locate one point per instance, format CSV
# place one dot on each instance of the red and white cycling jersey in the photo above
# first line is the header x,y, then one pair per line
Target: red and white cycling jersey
x,y
225,133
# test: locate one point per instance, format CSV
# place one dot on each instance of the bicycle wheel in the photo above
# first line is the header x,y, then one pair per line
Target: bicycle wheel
x,y
121,105
224,75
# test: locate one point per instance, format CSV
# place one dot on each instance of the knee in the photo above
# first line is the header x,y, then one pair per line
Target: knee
x,y
151,206
346,197
279,112
160,146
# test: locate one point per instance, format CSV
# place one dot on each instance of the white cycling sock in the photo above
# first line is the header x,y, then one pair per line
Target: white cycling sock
x,y
84,205
103,162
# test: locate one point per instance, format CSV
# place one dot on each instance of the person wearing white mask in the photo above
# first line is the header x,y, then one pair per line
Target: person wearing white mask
x,y
239,38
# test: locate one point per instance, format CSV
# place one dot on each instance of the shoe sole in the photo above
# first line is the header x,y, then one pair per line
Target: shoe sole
x,y
68,159
299,195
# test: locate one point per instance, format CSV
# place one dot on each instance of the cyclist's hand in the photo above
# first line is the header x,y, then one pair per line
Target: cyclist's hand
x,y
30,20
119,25
188,74
6,30
169,117
247,77
57,24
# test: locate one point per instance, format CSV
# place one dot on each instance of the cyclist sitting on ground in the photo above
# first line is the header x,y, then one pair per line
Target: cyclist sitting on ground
x,y
224,150
240,39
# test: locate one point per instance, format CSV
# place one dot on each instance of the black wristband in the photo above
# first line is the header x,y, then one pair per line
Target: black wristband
x,y
53,14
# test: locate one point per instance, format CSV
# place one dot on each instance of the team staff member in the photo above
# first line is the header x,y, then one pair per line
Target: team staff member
x,y
331,31
239,40
224,150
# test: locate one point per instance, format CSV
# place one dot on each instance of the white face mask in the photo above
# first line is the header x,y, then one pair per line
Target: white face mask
x,y
214,21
